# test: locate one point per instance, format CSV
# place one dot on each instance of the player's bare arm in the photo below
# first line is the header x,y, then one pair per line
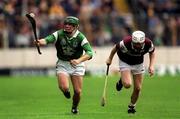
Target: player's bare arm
x,y
151,63
83,58
40,42
88,55
113,51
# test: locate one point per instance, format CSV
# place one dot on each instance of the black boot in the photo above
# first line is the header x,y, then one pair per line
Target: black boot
x,y
67,94
74,110
119,85
131,109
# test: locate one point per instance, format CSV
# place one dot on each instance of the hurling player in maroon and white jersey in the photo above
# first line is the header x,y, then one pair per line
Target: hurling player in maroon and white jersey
x,y
131,51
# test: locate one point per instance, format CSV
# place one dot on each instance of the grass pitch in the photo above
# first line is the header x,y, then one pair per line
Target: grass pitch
x,y
40,98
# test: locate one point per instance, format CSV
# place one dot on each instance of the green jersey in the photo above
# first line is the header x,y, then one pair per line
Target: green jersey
x,y
70,48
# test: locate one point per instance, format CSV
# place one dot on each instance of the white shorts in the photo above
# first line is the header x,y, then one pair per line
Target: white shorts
x,y
67,68
135,69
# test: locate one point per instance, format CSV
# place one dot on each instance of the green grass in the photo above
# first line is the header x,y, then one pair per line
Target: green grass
x,y
40,98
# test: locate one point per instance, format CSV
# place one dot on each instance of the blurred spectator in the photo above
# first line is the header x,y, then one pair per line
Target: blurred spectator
x,y
2,31
102,37
170,31
155,30
178,30
23,35
101,21
71,7
32,7
56,10
44,7
155,27
85,14
159,19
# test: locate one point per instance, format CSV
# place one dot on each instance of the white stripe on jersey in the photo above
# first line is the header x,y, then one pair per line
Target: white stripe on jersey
x,y
151,48
123,47
76,33
84,41
55,35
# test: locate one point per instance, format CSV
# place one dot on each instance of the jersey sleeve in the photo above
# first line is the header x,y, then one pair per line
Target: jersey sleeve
x,y
87,47
152,48
52,38
121,46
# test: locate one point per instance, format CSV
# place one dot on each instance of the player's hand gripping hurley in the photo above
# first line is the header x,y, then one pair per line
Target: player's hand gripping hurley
x,y
33,24
103,100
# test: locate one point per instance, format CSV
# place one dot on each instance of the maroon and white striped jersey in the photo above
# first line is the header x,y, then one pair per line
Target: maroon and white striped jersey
x,y
131,56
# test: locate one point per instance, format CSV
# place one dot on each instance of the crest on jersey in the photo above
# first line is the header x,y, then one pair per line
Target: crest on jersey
x,y
75,44
63,42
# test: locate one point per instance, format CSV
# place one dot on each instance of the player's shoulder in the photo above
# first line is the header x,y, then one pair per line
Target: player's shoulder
x,y
60,32
148,41
149,45
80,35
127,39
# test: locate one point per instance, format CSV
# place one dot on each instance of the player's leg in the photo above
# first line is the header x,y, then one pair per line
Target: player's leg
x,y
125,80
137,71
138,79
62,72
63,83
77,81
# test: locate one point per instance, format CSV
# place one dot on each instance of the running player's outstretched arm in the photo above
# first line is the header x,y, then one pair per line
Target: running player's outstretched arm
x,y
151,63
49,39
41,42
113,51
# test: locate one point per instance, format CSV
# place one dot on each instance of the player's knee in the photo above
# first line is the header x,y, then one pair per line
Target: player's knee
x,y
77,91
127,85
138,89
64,88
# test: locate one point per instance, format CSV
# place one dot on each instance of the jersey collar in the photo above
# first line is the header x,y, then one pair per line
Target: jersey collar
x,y
75,34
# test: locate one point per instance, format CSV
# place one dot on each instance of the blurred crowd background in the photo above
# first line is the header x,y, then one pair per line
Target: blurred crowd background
x,y
104,22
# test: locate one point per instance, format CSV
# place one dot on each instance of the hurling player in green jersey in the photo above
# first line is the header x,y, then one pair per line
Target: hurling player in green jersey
x,y
72,50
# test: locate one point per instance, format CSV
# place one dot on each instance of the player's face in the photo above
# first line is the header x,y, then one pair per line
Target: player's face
x,y
138,45
69,28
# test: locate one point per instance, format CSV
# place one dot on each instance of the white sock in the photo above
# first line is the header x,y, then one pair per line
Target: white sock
x,y
131,104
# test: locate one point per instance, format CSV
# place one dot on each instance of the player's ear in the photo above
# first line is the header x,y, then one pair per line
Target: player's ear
x,y
77,26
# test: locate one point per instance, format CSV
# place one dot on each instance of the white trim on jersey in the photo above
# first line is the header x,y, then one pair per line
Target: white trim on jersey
x,y
84,41
123,47
55,35
76,33
151,48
